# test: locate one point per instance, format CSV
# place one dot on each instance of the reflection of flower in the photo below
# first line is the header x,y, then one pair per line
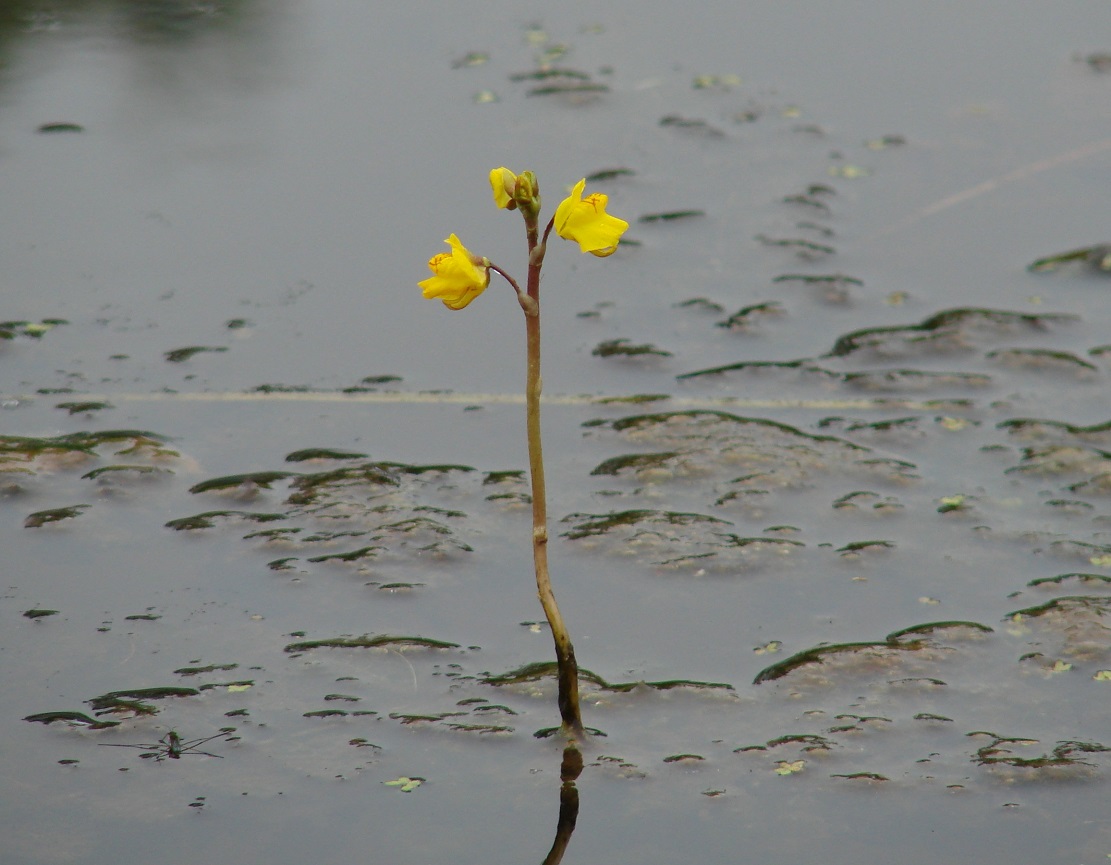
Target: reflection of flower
x,y
458,276
585,221
503,181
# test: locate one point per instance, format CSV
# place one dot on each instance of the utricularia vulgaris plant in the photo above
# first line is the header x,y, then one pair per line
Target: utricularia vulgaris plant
x,y
458,278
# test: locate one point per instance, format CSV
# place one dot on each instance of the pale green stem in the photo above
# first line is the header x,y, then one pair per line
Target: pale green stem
x,y
567,668
566,665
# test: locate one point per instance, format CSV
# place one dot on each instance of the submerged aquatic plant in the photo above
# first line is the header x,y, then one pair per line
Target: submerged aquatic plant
x,y
460,276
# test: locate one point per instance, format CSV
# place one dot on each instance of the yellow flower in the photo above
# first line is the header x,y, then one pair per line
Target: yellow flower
x,y
585,221
503,181
458,276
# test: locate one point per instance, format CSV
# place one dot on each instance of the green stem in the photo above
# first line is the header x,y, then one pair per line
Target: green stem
x,y
567,667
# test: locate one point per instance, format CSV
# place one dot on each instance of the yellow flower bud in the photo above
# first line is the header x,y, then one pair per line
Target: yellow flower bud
x,y
585,221
458,276
503,182
527,194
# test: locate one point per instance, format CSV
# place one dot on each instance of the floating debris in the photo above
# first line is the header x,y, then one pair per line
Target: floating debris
x,y
820,654
745,318
802,366
591,525
569,89
368,642
828,280
405,784
702,304
179,355
34,330
898,380
481,729
874,777
893,644
471,58
1097,604
1061,578
549,73
849,172
953,628
84,407
254,479
1042,428
410,718
230,687
624,348
1096,259
211,668
53,515
885,142
699,127
1065,755
547,670
117,470
803,248
59,127
560,81
857,547
948,331
37,614
671,215
134,696
634,399
29,455
641,464
206,520
75,719
308,454
716,82
1044,360
609,174
1098,61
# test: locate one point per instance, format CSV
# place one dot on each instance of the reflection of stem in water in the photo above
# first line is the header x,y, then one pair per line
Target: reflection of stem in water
x,y
568,804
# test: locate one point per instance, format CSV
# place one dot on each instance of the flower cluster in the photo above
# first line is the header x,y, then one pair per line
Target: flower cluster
x,y
460,276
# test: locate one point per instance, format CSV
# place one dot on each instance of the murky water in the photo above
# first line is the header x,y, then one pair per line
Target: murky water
x,y
839,574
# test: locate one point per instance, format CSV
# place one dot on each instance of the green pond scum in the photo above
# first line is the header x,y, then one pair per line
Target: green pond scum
x,y
368,642
32,329
890,646
180,355
624,348
37,614
1096,259
53,515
